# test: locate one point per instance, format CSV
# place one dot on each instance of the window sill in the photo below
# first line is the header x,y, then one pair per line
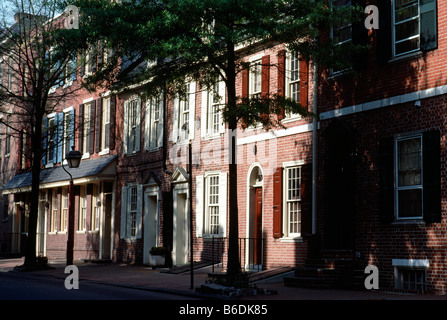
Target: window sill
x,y
291,239
81,232
104,151
85,156
208,237
406,56
405,222
93,232
211,136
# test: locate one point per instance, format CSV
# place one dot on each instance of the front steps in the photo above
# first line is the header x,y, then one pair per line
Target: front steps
x,y
332,270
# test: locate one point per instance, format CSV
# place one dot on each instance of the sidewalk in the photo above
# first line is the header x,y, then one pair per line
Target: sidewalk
x,y
144,277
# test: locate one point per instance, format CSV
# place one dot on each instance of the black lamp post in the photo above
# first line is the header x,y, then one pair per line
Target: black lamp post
x,y
73,159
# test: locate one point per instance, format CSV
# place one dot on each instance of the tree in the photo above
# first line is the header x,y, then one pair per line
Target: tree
x,y
171,40
36,63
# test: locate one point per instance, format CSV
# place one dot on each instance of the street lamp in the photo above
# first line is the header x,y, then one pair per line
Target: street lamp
x,y
73,159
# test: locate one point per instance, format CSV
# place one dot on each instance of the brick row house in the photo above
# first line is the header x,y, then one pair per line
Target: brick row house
x,y
371,186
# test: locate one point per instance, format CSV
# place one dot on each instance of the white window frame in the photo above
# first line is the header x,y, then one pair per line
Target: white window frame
x,y
105,120
66,132
132,123
287,232
255,79
339,43
396,177
393,33
50,139
127,210
289,82
212,122
96,209
86,128
53,213
153,124
64,210
83,208
180,103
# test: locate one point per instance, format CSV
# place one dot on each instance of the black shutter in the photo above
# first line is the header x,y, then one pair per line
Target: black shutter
x,y
112,121
98,124
306,199
386,180
384,33
429,25
432,176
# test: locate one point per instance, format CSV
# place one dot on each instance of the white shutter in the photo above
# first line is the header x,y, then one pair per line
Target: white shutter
x,y
147,125
175,125
160,121
204,113
126,123
192,109
123,227
139,222
138,127
199,205
222,95
223,204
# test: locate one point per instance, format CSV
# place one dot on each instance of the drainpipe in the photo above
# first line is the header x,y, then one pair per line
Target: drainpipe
x,y
314,150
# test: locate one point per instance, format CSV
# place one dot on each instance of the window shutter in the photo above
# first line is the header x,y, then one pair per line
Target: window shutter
x,y
21,148
44,142
112,121
304,83
98,125
81,127
199,205
125,125
192,109
281,81
160,122
223,190
429,27
139,223
123,228
383,44
138,127
245,83
432,176
204,113
91,142
386,180
265,76
277,203
306,199
175,130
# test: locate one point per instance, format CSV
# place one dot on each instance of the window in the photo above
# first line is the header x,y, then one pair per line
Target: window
x,y
68,131
211,204
70,70
50,139
86,130
154,124
409,186
292,201
105,124
184,114
294,76
414,26
8,136
23,145
132,111
410,279
131,212
82,209
341,32
64,210
212,113
96,208
255,79
54,209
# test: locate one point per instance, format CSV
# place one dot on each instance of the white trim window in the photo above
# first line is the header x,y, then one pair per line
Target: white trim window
x,y
68,130
53,213
184,114
95,214
292,80
341,32
409,177
87,130
131,212
64,210
212,120
132,116
82,217
105,124
414,25
153,124
211,204
292,200
255,80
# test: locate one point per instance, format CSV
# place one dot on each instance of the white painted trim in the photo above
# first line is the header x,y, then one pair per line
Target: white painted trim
x,y
275,134
88,100
412,263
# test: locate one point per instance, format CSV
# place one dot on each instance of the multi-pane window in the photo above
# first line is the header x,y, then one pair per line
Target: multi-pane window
x,y
294,81
68,134
213,204
184,115
94,221
132,125
83,209
215,100
64,210
105,124
86,133
293,200
133,205
255,80
214,110
50,139
409,186
406,26
54,209
153,123
341,30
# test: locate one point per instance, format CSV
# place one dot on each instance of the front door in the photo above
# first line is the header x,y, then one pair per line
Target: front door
x,y
107,226
150,224
181,243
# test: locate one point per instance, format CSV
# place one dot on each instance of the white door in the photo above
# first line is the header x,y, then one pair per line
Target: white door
x,y
181,243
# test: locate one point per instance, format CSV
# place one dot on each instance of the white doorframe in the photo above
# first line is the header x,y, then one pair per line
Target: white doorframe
x,y
151,220
180,224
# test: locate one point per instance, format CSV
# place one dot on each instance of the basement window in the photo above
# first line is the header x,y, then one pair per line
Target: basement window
x,y
410,275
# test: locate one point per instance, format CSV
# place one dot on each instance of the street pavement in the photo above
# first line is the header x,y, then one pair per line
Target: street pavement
x,y
146,278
